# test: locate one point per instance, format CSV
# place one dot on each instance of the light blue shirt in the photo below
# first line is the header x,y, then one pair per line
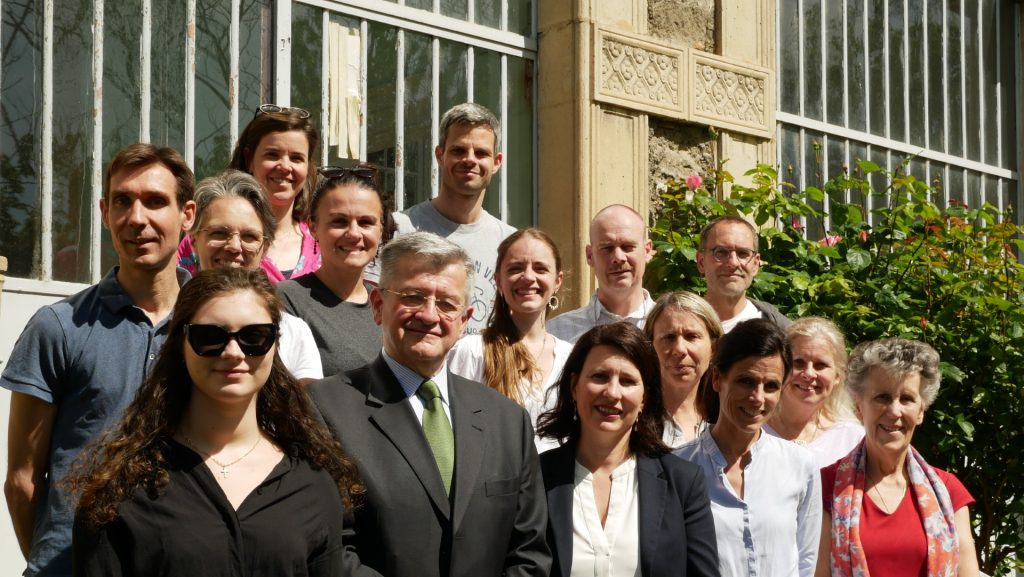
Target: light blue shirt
x,y
774,530
571,325
410,382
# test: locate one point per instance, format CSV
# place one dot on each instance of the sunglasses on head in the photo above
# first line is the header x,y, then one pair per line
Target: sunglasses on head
x,y
211,340
271,108
363,172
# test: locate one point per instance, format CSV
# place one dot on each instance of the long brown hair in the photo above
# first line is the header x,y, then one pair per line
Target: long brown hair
x,y
131,457
506,359
562,423
265,123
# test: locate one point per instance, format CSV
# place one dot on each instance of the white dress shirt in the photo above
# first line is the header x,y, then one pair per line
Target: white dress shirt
x,y
614,549
774,530
410,382
571,325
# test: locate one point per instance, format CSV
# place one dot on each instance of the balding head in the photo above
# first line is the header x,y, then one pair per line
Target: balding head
x,y
618,252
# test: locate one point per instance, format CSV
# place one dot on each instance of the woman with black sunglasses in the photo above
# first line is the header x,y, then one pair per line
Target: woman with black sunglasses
x,y
350,216
219,466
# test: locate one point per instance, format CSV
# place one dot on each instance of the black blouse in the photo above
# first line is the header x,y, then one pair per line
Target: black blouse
x,y
291,524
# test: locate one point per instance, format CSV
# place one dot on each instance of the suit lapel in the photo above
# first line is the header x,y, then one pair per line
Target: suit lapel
x,y
560,491
653,489
468,429
397,421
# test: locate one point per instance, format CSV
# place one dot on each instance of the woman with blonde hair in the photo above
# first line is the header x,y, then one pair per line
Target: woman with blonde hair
x,y
815,410
515,354
683,328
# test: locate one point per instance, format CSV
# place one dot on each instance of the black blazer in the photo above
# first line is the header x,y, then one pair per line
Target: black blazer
x,y
677,531
406,526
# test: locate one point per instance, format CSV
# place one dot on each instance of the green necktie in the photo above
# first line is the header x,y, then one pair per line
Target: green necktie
x,y
438,431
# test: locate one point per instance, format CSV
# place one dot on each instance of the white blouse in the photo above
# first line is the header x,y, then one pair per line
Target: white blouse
x,y
614,549
466,359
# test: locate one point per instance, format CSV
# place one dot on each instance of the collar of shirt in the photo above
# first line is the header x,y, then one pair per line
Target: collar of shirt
x,y
710,448
598,312
410,382
115,299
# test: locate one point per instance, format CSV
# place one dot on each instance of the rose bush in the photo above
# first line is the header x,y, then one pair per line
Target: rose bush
x,y
900,266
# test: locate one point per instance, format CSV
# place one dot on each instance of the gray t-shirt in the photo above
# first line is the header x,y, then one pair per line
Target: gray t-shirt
x,y
345,333
480,239
87,355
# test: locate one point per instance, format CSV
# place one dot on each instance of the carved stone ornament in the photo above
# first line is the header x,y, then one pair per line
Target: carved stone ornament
x,y
639,74
731,95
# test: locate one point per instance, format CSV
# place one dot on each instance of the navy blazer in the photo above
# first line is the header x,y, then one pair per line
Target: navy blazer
x,y
677,531
406,526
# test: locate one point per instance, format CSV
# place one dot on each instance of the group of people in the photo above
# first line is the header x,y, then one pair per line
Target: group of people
x,y
175,418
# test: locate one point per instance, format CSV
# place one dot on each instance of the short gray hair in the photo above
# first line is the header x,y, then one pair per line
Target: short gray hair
x,y
428,248
234,184
728,219
469,113
900,357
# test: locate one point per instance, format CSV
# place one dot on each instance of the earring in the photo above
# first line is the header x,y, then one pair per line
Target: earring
x,y
575,412
553,302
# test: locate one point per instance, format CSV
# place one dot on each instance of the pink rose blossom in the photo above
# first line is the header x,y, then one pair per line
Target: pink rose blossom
x,y
693,182
863,236
830,240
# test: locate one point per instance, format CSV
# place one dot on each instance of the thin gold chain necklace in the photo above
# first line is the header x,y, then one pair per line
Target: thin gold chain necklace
x,y
224,467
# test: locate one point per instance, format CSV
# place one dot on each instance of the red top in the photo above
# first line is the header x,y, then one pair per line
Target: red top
x,y
894,545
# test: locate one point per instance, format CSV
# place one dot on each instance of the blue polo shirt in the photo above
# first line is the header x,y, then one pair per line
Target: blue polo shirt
x,y
87,354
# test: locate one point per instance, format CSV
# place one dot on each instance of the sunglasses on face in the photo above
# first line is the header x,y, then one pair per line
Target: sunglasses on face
x,y
211,340
272,108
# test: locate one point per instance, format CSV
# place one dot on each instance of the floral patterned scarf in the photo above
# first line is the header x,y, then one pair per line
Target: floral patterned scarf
x,y
932,499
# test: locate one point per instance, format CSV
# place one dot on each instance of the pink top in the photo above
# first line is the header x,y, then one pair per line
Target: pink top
x,y
309,258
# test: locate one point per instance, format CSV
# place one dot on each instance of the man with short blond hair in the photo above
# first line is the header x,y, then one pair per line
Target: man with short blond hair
x,y
618,253
729,260
79,362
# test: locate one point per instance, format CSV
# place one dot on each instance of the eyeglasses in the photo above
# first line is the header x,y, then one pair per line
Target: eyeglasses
x,y
271,108
211,340
218,236
367,173
722,254
415,301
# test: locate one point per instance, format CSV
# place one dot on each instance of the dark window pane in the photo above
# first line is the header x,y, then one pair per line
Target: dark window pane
x,y
307,62
455,8
167,95
421,4
878,181
936,73
1008,86
814,143
834,87
855,66
955,186
876,67
518,167
812,60
897,73
520,17
380,101
789,56
253,81
418,157
487,92
19,149
858,151
488,12
918,122
453,75
791,156
954,74
972,71
72,142
213,69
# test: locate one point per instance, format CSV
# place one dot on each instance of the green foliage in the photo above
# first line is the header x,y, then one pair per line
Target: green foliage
x,y
901,267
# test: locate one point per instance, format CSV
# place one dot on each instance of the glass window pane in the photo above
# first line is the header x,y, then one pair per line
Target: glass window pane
x,y
488,12
936,73
954,73
518,167
812,60
834,87
836,166
918,122
487,92
876,69
253,84
972,144
167,95
121,101
974,198
858,151
380,102
955,186
789,56
520,17
1008,86
213,68
72,142
790,153
455,8
19,150
418,151
937,181
855,66
421,4
878,181
453,75
814,143
897,73
307,62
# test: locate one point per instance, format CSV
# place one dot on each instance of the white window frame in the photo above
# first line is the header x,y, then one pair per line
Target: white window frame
x,y
437,26
895,150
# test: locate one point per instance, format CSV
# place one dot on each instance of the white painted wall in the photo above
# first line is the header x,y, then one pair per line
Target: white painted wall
x,y
16,307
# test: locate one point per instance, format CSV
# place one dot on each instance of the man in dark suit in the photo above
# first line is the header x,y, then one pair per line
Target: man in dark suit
x,y
453,485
